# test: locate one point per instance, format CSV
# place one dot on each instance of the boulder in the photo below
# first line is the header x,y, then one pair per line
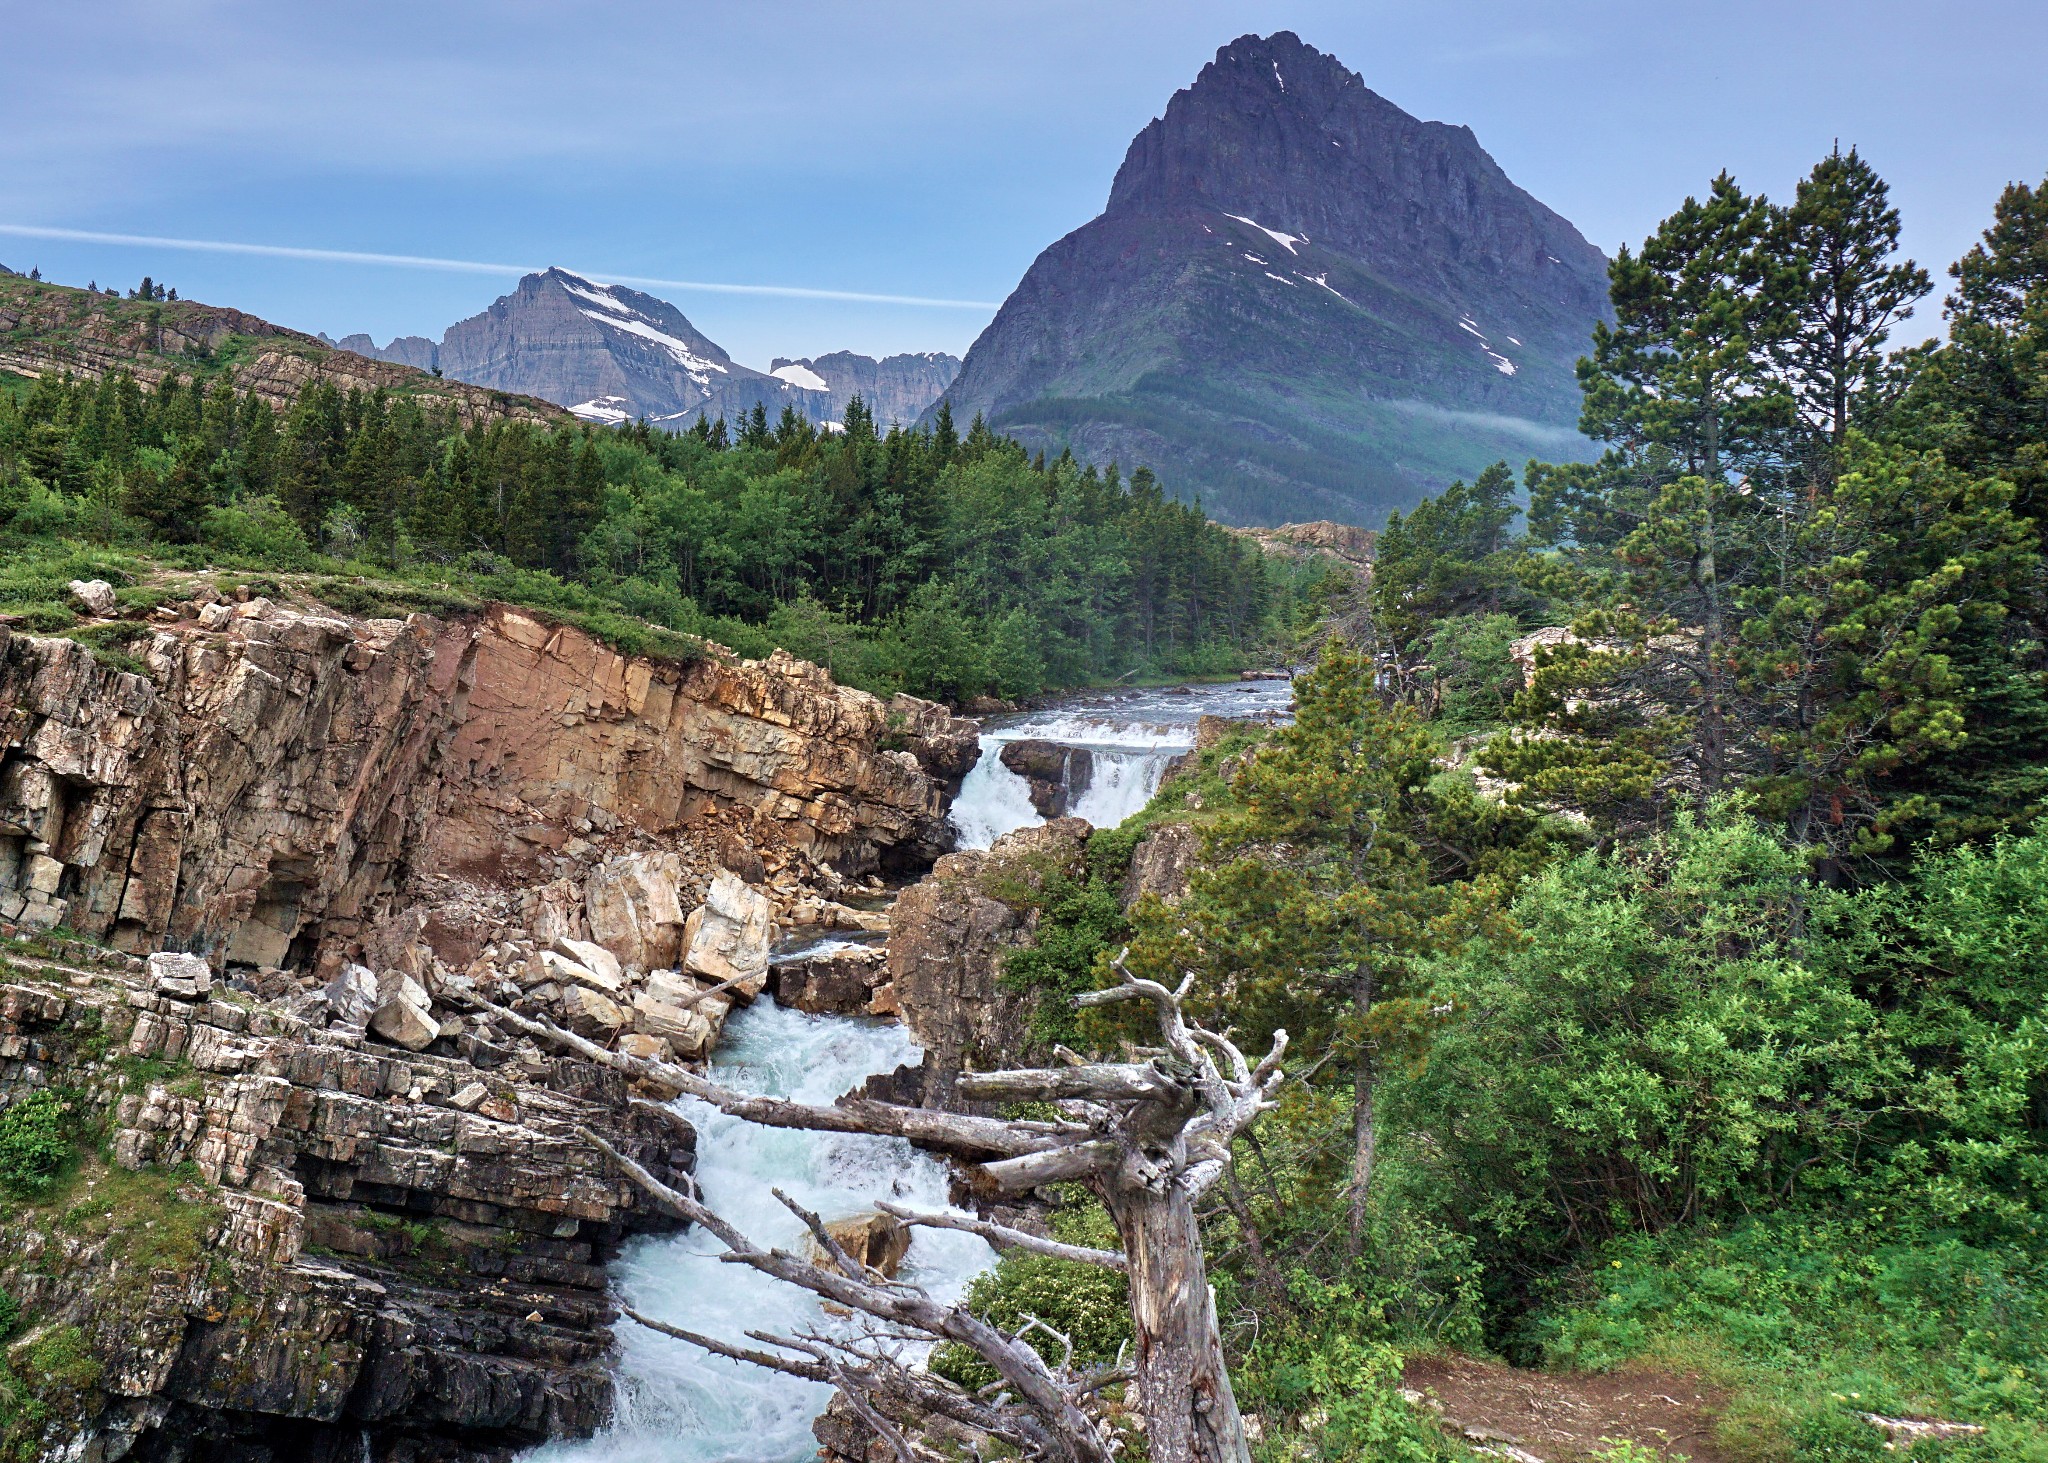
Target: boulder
x,y
402,1022
877,1240
566,972
592,957
728,935
646,1048
1160,863
691,993
183,977
94,596
840,982
592,1014
688,1032
469,1097
1057,774
634,906
352,995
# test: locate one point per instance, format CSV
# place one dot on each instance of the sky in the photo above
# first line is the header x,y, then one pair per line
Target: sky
x,y
890,148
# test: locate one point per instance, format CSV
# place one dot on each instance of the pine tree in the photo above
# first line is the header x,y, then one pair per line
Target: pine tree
x,y
945,438
1847,289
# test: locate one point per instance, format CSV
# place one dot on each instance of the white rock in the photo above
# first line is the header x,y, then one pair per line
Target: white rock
x,y
352,995
44,873
467,1098
690,1033
561,969
729,935
187,977
402,1023
646,1048
593,957
634,908
213,616
96,596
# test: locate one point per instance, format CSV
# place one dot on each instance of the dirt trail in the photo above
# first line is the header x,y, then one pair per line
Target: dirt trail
x,y
1558,1416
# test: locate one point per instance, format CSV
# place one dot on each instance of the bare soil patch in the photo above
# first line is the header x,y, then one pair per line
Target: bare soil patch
x,y
1560,1416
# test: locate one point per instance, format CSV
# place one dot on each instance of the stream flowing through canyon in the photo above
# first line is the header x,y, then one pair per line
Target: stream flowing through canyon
x,y
678,1404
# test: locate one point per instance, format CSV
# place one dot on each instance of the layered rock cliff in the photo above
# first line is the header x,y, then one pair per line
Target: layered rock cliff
x,y
289,1243
267,793
371,835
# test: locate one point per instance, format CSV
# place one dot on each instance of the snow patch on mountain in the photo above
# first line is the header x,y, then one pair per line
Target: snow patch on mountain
x,y
696,365
1285,241
606,411
796,373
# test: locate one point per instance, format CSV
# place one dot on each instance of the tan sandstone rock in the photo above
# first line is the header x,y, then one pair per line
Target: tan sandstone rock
x,y
729,935
591,1014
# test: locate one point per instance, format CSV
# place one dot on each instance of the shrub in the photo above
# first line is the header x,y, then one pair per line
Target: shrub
x,y
257,529
34,1142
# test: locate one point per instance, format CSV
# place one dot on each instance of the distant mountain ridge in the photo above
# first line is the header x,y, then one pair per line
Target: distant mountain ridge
x,y
1300,302
611,354
897,389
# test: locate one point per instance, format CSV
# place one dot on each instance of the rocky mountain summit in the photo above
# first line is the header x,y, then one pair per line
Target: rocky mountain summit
x,y
897,389
588,346
1300,302
612,354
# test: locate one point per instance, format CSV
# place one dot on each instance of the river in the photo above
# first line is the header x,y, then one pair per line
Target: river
x,y
676,1403
1132,735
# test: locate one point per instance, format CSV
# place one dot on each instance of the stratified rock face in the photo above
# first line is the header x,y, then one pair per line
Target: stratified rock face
x,y
896,389
1300,302
267,792
609,353
400,1254
948,938
406,350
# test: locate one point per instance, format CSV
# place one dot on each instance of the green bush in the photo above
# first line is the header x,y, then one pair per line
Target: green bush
x,y
256,529
35,1142
1087,1303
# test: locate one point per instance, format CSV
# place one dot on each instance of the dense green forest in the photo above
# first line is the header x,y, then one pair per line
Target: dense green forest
x,y
1675,994
948,565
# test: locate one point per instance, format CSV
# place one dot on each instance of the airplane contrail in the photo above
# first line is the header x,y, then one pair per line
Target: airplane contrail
x,y
474,266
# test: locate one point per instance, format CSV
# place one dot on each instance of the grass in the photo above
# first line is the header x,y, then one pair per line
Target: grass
x,y
1811,1323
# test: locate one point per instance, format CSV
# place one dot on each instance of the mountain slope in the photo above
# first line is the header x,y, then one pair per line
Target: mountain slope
x,y
609,353
1300,302
895,388
53,329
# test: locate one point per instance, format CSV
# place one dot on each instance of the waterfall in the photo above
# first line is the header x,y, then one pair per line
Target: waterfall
x,y
678,1404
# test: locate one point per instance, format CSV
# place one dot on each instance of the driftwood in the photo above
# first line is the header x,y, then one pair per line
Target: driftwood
x,y
1150,1137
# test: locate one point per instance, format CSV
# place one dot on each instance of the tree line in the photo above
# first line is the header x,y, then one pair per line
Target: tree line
x,y
933,560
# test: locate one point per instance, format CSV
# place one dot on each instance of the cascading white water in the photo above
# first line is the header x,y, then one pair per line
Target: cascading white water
x,y
678,1404
1132,736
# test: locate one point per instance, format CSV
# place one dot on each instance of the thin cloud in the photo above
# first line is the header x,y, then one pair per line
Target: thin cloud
x,y
475,266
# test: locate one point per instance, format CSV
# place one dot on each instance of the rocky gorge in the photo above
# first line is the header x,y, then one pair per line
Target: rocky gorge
x,y
264,884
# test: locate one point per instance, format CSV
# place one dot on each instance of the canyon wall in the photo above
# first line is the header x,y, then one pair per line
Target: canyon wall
x,y
281,779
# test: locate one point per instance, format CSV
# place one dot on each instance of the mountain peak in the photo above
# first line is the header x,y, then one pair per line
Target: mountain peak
x,y
1300,301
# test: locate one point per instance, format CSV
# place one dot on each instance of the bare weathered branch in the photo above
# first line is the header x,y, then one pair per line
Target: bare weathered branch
x,y
1005,1238
1094,1081
1053,1166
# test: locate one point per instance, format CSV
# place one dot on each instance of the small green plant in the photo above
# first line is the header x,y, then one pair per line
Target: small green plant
x,y
34,1143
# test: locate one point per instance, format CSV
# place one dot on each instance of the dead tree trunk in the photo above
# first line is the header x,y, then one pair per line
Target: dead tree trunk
x,y
1150,1137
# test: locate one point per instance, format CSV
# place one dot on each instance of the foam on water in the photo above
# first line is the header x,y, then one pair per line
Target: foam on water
x,y
1133,735
678,1404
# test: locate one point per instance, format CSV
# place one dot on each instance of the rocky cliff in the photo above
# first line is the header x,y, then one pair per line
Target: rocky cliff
x,y
1300,301
371,835
897,389
269,792
610,354
286,1242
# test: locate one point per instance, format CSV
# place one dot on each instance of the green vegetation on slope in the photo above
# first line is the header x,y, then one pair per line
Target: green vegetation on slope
x,y
1710,1037
922,561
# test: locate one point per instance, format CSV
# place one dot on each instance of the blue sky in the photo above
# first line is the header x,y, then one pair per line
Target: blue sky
x,y
925,149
